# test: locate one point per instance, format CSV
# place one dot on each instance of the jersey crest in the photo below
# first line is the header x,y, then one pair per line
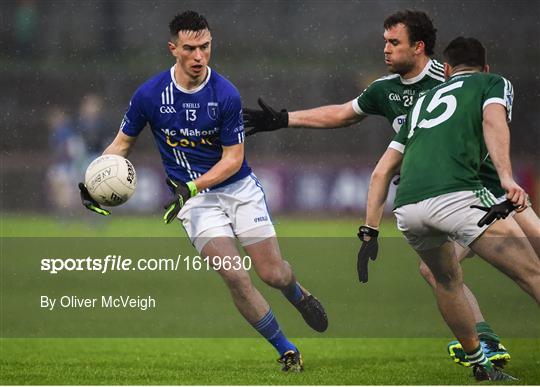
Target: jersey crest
x,y
212,109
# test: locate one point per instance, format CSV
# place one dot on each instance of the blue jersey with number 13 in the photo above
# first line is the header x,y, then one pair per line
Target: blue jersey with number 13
x,y
189,126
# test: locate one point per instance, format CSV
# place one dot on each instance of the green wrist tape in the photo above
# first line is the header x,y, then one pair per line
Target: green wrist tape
x,y
99,210
192,188
166,216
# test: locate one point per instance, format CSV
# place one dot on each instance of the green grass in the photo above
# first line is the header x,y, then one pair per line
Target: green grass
x,y
244,362
395,304
94,225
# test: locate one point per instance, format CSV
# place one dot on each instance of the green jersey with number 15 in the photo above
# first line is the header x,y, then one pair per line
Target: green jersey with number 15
x,y
393,96
442,139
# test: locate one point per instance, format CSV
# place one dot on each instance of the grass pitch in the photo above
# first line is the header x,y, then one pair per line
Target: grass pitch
x,y
244,362
395,303
90,225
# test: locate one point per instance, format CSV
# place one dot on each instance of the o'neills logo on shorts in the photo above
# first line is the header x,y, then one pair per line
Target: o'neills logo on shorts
x,y
261,219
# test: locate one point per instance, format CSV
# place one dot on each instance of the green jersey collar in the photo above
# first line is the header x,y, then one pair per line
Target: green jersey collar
x,y
463,73
419,77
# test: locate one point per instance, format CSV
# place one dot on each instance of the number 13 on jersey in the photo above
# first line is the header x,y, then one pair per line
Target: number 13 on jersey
x,y
191,114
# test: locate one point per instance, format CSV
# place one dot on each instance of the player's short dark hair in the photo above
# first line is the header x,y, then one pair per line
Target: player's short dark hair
x,y
419,26
188,21
465,51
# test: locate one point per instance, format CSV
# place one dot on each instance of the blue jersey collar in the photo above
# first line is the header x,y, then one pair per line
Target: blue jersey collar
x,y
192,91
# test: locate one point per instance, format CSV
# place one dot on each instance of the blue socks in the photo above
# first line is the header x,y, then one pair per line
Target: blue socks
x,y
269,328
293,293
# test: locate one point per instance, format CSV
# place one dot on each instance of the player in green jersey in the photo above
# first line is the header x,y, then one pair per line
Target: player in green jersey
x,y
438,152
409,44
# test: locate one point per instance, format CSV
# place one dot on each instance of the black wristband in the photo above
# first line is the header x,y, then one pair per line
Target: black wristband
x,y
285,117
367,231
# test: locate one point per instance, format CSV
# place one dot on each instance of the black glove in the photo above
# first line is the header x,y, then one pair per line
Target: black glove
x,y
90,203
368,250
496,211
264,120
182,192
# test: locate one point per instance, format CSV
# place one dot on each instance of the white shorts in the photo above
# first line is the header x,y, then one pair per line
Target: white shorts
x,y
431,222
235,210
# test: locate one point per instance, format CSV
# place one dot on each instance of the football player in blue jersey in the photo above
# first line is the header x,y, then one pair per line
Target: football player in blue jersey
x,y
196,118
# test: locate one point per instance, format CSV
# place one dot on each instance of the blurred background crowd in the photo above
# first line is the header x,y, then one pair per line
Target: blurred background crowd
x,y
69,69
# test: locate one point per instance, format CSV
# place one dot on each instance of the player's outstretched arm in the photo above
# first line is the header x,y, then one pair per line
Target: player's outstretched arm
x,y
325,117
268,119
497,139
387,167
264,120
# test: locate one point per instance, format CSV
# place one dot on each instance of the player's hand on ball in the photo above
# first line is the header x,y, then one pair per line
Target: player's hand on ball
x,y
90,203
368,250
182,192
496,211
264,120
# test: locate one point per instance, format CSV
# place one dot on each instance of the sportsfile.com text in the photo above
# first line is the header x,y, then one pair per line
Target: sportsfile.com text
x,y
112,263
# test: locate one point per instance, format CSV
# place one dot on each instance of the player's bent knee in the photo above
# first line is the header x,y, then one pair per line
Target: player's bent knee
x,y
275,277
449,283
448,280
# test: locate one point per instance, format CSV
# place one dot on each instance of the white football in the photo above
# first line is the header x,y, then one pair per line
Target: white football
x,y
110,180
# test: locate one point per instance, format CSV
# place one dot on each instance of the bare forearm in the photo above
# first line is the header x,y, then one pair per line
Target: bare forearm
x,y
497,139
121,145
387,167
377,194
330,116
116,150
220,172
499,149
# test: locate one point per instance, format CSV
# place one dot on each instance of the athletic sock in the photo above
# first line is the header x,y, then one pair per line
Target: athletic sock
x,y
486,333
269,328
293,293
478,356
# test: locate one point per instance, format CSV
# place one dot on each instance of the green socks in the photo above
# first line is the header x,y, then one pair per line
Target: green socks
x,y
477,356
486,333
